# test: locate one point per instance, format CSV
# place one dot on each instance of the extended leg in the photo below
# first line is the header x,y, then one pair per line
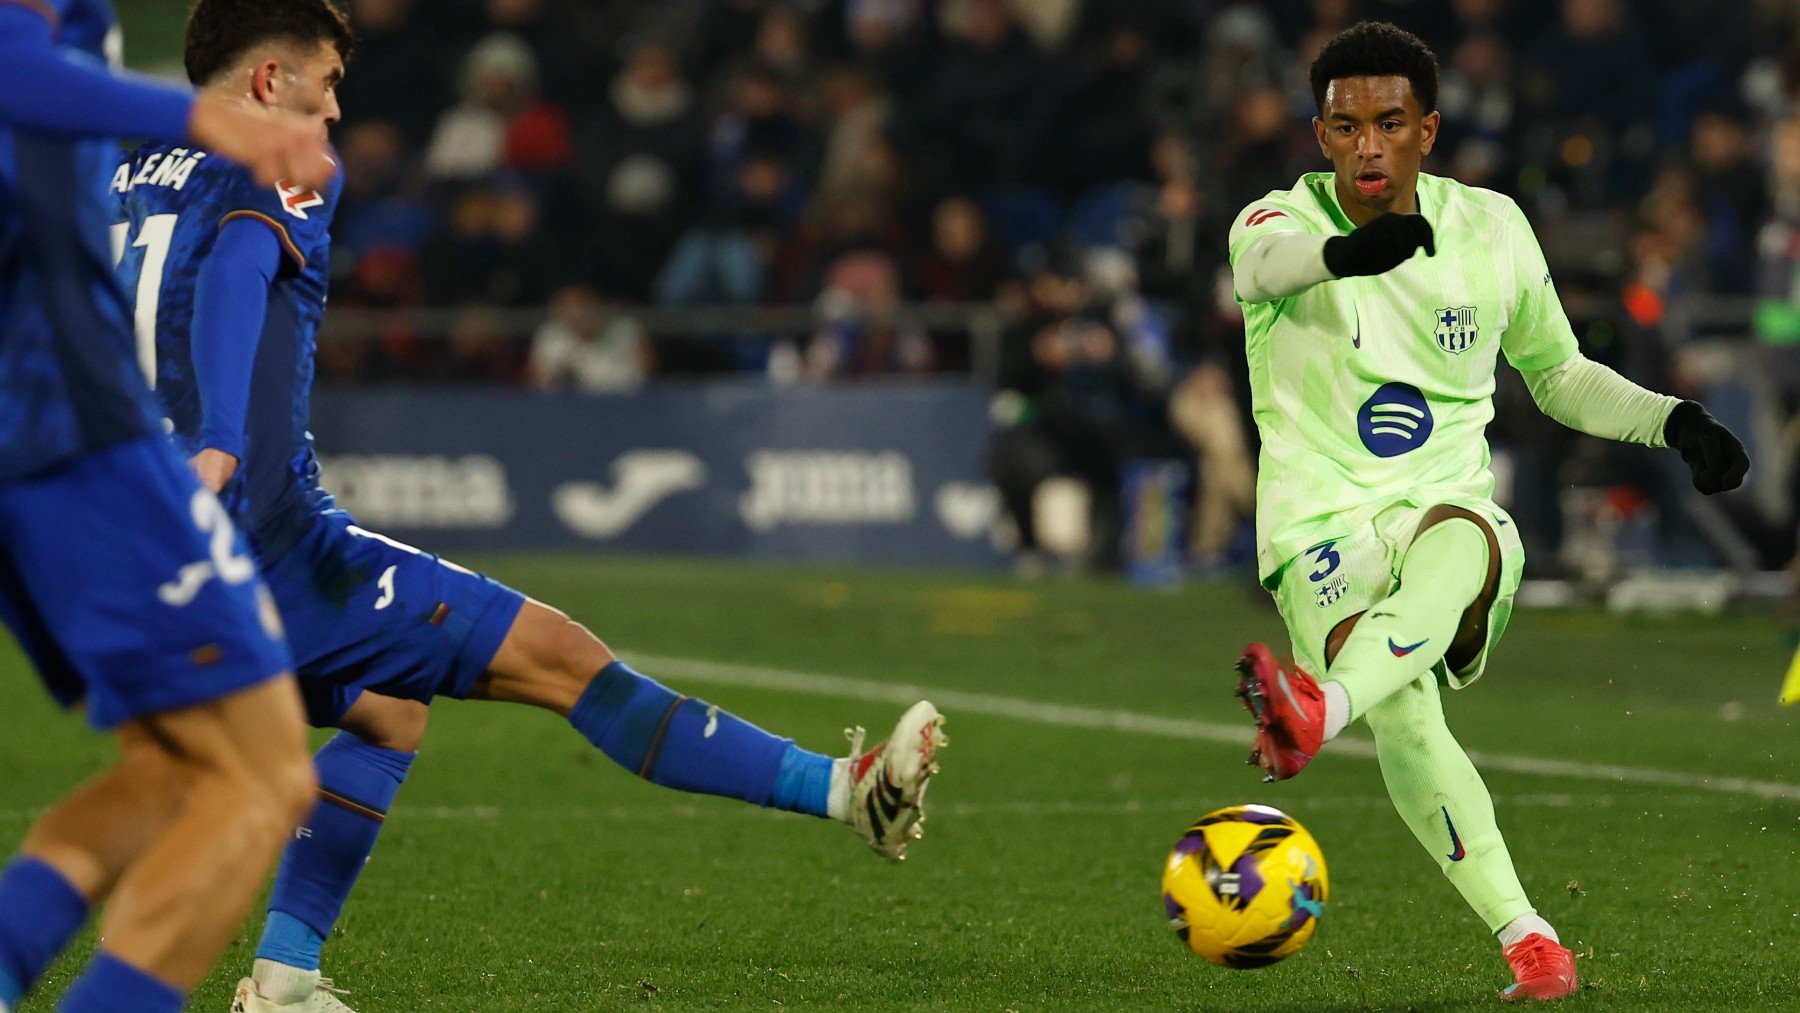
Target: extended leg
x,y
1442,798
550,661
360,771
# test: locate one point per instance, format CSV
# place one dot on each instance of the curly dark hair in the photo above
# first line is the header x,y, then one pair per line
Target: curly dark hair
x,y
220,32
1377,49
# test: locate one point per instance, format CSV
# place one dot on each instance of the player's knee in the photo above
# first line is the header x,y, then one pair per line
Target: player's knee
x,y
388,723
571,651
291,788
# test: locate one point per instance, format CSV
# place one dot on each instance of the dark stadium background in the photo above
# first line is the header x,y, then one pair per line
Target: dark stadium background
x,y
1033,196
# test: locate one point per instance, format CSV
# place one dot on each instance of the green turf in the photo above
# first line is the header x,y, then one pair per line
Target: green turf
x,y
522,871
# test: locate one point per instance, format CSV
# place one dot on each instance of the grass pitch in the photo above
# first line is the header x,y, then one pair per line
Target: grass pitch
x,y
521,870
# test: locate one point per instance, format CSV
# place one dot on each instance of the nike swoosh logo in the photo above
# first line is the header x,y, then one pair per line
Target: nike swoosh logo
x,y
1457,852
1401,652
1292,702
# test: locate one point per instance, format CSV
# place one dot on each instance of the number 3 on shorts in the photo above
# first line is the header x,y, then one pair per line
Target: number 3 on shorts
x,y
1327,559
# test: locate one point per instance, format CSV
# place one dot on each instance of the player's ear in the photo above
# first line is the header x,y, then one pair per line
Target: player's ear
x,y
1428,128
263,78
1319,135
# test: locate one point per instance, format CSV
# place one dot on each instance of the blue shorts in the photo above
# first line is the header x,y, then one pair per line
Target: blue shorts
x,y
129,587
366,612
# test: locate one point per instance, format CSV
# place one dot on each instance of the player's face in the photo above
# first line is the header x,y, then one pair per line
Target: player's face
x,y
312,78
1375,133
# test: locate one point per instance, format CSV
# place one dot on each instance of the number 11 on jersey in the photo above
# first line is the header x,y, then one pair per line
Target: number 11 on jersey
x,y
154,239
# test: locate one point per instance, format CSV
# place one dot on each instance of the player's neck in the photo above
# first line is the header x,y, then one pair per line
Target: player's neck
x,y
1406,203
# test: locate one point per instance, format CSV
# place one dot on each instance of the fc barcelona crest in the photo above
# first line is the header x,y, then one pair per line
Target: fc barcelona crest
x,y
1456,331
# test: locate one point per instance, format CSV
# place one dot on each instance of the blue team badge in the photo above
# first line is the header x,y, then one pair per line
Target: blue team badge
x,y
1394,420
1456,332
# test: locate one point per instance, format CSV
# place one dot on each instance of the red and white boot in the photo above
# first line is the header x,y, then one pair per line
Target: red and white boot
x,y
887,784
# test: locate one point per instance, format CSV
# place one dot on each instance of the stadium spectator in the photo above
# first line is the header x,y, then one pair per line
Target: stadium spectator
x,y
1073,404
861,337
964,262
589,346
1588,81
638,166
992,98
384,203
493,250
727,257
1731,194
500,122
402,70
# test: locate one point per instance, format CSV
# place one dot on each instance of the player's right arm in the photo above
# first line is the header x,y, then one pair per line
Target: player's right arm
x,y
1275,256
45,91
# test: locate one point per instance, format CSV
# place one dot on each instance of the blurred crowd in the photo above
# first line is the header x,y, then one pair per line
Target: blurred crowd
x,y
1072,163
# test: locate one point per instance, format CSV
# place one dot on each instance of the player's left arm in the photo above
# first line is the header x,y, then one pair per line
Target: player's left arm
x,y
1591,398
231,298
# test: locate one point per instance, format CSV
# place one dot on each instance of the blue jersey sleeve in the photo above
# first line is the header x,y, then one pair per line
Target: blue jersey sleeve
x,y
231,297
300,219
46,90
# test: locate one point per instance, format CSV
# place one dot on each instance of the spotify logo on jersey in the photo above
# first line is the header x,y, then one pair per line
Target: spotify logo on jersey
x,y
1394,420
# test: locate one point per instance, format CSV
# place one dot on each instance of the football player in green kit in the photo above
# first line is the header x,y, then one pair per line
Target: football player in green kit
x,y
1372,372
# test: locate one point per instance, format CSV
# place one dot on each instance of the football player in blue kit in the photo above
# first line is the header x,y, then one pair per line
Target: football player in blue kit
x,y
235,273
121,578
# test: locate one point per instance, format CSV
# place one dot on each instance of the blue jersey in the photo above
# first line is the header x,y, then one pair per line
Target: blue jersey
x,y
68,383
175,200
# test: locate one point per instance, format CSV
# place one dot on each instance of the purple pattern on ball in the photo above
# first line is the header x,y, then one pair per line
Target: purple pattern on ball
x,y
1261,817
1191,844
1250,881
1172,907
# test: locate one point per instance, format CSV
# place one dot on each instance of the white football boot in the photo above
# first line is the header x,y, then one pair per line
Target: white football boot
x,y
322,998
887,783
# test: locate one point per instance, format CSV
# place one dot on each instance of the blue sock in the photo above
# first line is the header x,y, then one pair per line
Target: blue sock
x,y
39,913
357,785
686,744
803,784
110,985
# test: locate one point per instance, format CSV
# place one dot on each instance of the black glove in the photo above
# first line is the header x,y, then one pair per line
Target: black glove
x,y
1379,246
1711,451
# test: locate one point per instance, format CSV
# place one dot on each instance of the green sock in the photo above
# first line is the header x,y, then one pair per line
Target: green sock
x,y
1441,797
1408,632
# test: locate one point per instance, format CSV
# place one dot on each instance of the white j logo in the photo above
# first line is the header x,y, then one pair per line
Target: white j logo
x,y
386,583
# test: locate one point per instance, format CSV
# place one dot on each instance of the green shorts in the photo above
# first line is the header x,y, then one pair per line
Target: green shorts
x,y
1345,575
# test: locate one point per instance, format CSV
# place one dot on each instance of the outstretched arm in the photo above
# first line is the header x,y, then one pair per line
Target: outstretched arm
x,y
231,298
46,91
1279,264
1591,398
1588,397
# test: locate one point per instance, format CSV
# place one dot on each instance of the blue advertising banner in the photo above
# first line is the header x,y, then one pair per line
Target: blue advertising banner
x,y
874,473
